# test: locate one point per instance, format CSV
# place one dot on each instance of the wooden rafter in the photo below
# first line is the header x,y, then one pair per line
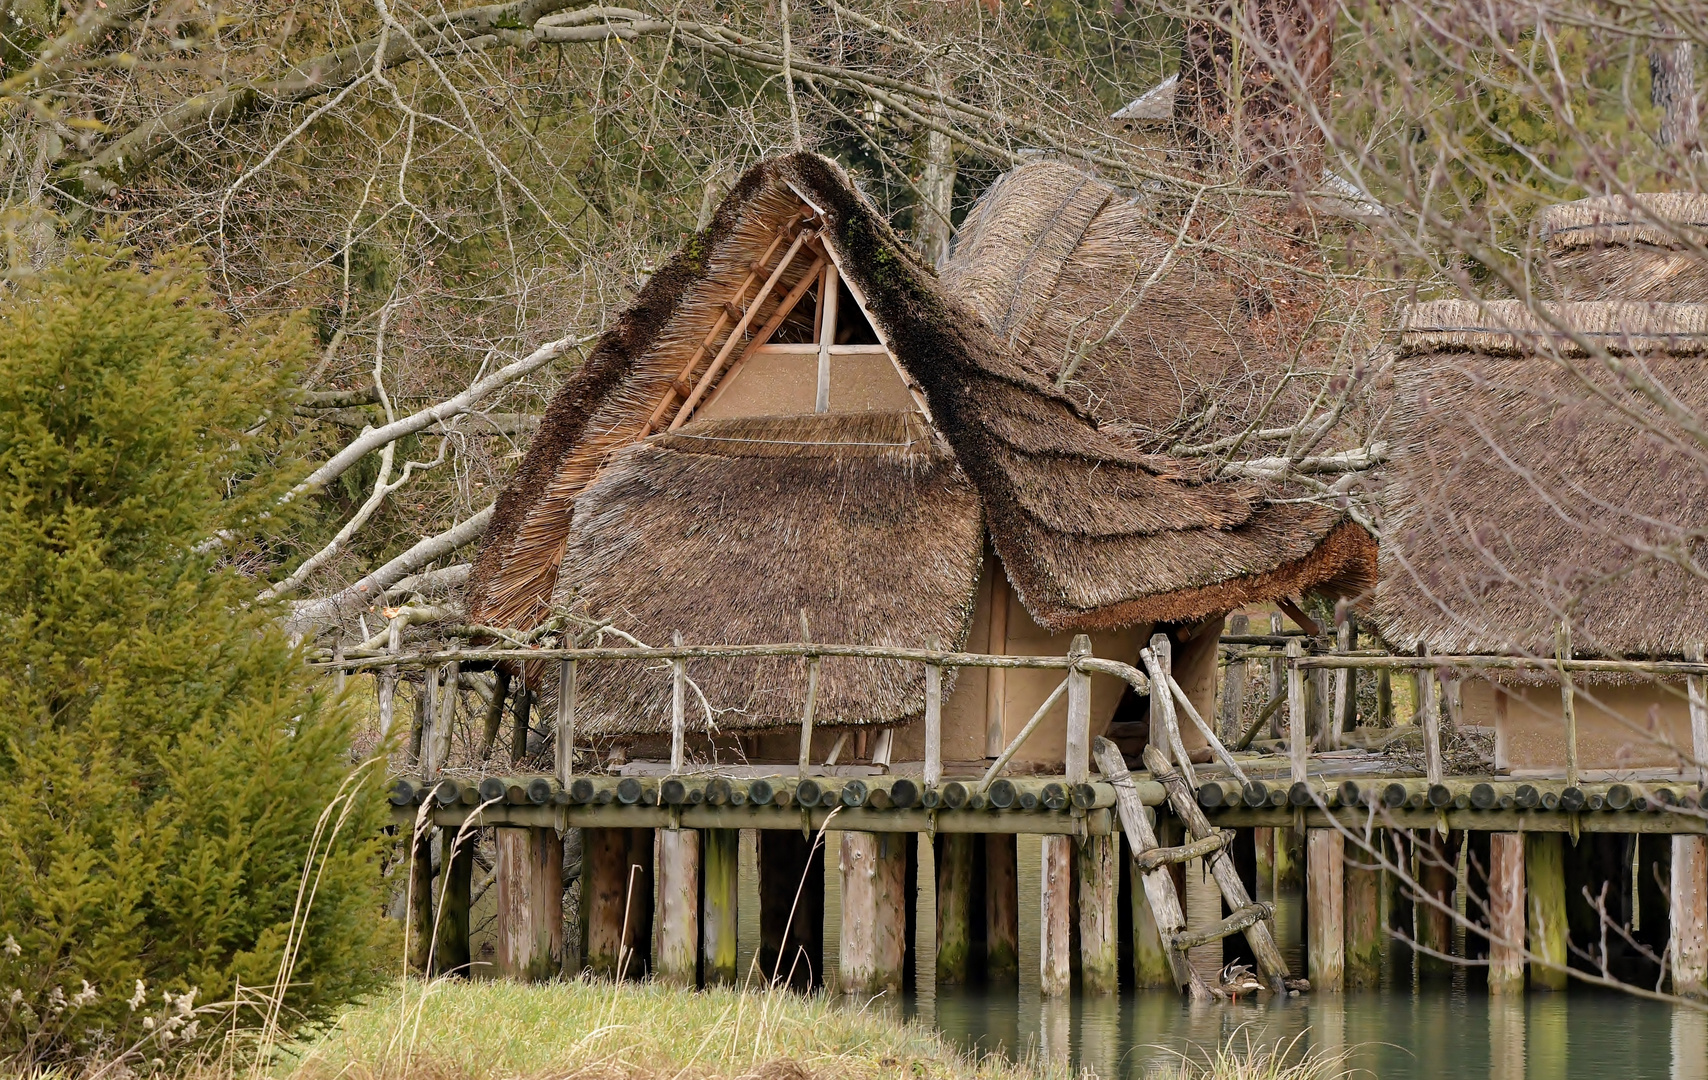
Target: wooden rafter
x,y
784,310
678,387
735,334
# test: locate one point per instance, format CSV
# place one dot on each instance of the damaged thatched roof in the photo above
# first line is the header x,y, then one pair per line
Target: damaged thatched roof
x,y
1646,247
1529,481
1092,534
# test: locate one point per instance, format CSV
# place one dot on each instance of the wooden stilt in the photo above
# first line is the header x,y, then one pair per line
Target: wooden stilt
x,y
1545,887
874,923
954,853
530,903
791,908
1233,686
1437,873
1264,841
1002,909
420,915
1325,898
451,947
678,906
1689,921
1506,913
604,872
721,855
1289,859
638,877
1054,962
1099,943
1364,930
1150,959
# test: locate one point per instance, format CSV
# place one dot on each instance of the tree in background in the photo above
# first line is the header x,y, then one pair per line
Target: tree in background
x,y
167,757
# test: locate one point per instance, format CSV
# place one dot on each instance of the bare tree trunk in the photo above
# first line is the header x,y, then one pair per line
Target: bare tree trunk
x,y
1672,88
936,198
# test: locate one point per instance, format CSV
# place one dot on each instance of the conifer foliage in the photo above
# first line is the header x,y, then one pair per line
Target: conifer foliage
x,y
164,755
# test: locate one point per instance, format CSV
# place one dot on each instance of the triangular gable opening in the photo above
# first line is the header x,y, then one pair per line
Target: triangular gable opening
x,y
794,339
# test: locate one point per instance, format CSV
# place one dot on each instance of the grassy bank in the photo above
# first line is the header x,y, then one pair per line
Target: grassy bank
x,y
493,1030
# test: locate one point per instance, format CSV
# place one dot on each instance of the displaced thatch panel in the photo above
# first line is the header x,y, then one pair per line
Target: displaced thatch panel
x,y
727,530
1525,486
1648,247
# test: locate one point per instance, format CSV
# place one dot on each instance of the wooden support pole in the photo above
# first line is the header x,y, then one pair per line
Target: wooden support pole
x,y
954,857
1689,915
451,929
604,885
678,706
419,926
1545,887
1150,958
1078,755
1437,873
1345,688
874,921
678,906
933,725
1289,859
721,856
1384,699
828,296
1055,965
1298,743
1506,913
1263,839
564,742
1233,685
1363,914
530,903
1158,659
1001,909
1278,685
422,735
996,679
1568,706
1698,695
1325,899
1429,716
1099,921
444,718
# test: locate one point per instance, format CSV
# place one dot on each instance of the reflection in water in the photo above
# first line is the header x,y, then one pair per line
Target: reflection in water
x,y
1440,1031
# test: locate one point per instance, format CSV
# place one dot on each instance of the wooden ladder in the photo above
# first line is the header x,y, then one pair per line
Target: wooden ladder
x,y
1152,861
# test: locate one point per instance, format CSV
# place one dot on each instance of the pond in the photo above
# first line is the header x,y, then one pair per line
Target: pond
x,y
1451,1029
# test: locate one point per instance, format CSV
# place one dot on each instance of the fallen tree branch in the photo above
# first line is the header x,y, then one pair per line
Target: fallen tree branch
x,y
309,613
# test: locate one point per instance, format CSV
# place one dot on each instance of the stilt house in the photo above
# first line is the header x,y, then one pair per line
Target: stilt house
x,y
797,429
1535,482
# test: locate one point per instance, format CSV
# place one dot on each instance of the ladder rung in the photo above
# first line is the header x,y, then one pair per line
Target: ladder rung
x,y
1149,860
1233,924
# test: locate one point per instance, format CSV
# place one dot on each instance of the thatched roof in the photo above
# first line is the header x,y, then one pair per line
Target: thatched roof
x,y
730,529
1648,247
1528,482
1092,533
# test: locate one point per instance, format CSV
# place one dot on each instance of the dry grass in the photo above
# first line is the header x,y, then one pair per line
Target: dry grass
x,y
1239,1058
592,1031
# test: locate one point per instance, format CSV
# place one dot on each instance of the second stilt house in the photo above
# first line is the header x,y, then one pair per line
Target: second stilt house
x,y
797,431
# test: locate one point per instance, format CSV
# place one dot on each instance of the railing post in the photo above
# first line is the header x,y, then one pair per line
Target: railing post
x,y
1698,715
996,679
1160,664
1429,716
1233,684
1298,743
565,721
1563,652
445,717
519,722
678,705
933,725
1277,676
1343,689
424,721
1078,757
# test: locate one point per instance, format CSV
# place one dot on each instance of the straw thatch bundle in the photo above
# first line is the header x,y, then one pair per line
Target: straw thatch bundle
x,y
728,530
1646,247
677,534
1528,483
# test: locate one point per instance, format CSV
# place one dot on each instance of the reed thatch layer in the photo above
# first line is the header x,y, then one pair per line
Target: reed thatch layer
x,y
727,530
1662,219
1523,488
1049,482
1613,248
1511,328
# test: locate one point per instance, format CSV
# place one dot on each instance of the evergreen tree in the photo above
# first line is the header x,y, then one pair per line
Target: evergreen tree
x,y
165,756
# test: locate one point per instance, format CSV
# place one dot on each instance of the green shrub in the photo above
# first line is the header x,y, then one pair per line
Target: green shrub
x,y
164,756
